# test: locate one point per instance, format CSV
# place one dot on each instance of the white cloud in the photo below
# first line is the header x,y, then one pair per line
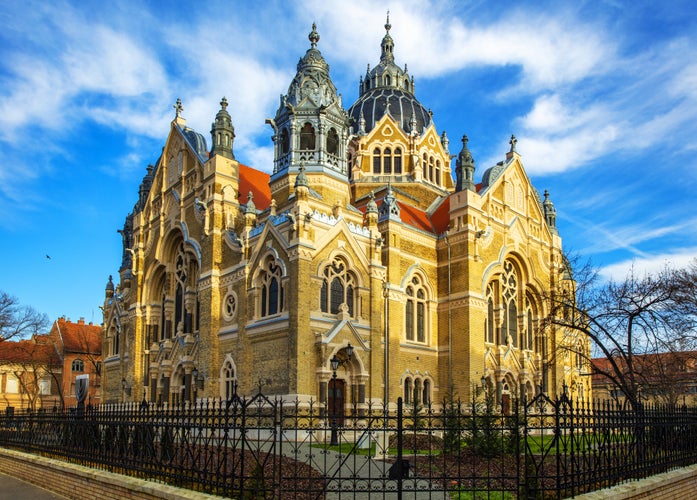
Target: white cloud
x,y
649,265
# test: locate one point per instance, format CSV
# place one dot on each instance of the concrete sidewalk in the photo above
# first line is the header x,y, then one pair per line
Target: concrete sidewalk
x,y
15,489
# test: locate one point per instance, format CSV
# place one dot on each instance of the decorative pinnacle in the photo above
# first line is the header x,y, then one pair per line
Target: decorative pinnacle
x,y
313,36
388,26
465,139
178,107
223,103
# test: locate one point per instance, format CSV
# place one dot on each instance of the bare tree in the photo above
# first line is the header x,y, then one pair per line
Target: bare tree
x,y
17,320
626,321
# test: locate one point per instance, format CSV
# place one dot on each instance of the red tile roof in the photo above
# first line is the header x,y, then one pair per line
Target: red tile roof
x,y
78,337
257,182
28,351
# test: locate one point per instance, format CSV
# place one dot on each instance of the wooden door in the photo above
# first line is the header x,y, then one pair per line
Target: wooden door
x,y
335,401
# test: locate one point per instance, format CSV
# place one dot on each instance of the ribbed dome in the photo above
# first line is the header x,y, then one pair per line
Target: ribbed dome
x,y
401,105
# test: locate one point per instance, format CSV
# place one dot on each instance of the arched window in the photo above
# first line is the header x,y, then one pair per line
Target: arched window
x,y
78,365
431,175
271,294
416,311
376,161
285,141
426,397
387,79
387,161
490,320
180,276
509,293
398,161
424,166
408,391
417,391
228,379
332,142
438,172
307,137
338,288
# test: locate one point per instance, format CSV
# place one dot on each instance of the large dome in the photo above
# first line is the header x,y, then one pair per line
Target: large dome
x,y
402,106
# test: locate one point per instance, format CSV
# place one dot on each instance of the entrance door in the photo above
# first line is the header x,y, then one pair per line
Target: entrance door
x,y
335,401
506,404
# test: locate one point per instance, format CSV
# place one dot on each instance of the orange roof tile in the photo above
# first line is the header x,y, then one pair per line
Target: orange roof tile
x,y
28,351
257,182
78,337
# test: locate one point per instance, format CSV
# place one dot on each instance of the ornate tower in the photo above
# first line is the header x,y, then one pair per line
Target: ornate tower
x,y
310,130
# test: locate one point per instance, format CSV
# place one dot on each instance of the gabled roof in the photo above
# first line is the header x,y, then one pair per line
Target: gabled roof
x,y
78,337
257,182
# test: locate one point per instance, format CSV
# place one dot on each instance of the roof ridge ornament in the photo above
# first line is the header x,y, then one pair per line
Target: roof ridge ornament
x,y
178,107
313,36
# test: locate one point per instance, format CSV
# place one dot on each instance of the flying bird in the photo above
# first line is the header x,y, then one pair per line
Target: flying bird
x,y
48,257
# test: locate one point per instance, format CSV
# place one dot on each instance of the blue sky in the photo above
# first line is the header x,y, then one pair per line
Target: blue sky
x,y
602,97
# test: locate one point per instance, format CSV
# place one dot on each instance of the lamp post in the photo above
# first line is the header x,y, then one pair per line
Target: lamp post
x,y
336,362
194,382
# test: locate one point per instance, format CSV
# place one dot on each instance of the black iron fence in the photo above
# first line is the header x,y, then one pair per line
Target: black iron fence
x,y
260,447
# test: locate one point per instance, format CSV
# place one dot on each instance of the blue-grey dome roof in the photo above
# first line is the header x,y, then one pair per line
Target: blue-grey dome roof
x,y
401,105
197,141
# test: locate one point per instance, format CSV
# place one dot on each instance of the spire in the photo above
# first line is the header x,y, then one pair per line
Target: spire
x,y
464,168
223,133
550,213
387,44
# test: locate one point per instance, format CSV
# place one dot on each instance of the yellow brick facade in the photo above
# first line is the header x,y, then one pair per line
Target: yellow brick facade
x,y
363,234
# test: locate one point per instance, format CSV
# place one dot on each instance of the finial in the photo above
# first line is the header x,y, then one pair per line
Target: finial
x,y
223,103
313,36
388,26
178,107
513,143
465,139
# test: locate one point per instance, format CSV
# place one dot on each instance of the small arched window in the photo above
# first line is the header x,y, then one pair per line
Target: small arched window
x,y
426,398
333,142
438,172
307,137
388,80
229,380
408,391
78,365
490,321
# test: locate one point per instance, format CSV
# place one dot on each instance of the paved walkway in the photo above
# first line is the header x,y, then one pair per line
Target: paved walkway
x,y
15,489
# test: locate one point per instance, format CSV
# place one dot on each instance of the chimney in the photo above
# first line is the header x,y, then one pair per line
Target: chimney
x,y
81,321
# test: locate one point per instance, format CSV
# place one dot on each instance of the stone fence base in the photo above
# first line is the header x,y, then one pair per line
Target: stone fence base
x,y
78,482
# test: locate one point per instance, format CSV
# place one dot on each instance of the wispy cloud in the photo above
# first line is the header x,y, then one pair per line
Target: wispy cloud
x,y
653,264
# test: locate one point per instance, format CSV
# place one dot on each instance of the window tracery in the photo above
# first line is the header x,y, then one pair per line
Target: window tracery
x,y
271,296
416,311
338,287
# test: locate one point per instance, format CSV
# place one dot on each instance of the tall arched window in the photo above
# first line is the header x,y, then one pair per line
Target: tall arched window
x,y
338,288
426,397
408,391
398,161
438,172
509,293
387,161
307,137
228,379
271,294
431,175
332,142
285,141
376,161
416,311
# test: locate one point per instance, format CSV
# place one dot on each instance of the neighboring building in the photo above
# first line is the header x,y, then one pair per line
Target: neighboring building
x,y
231,277
80,349
665,378
30,374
